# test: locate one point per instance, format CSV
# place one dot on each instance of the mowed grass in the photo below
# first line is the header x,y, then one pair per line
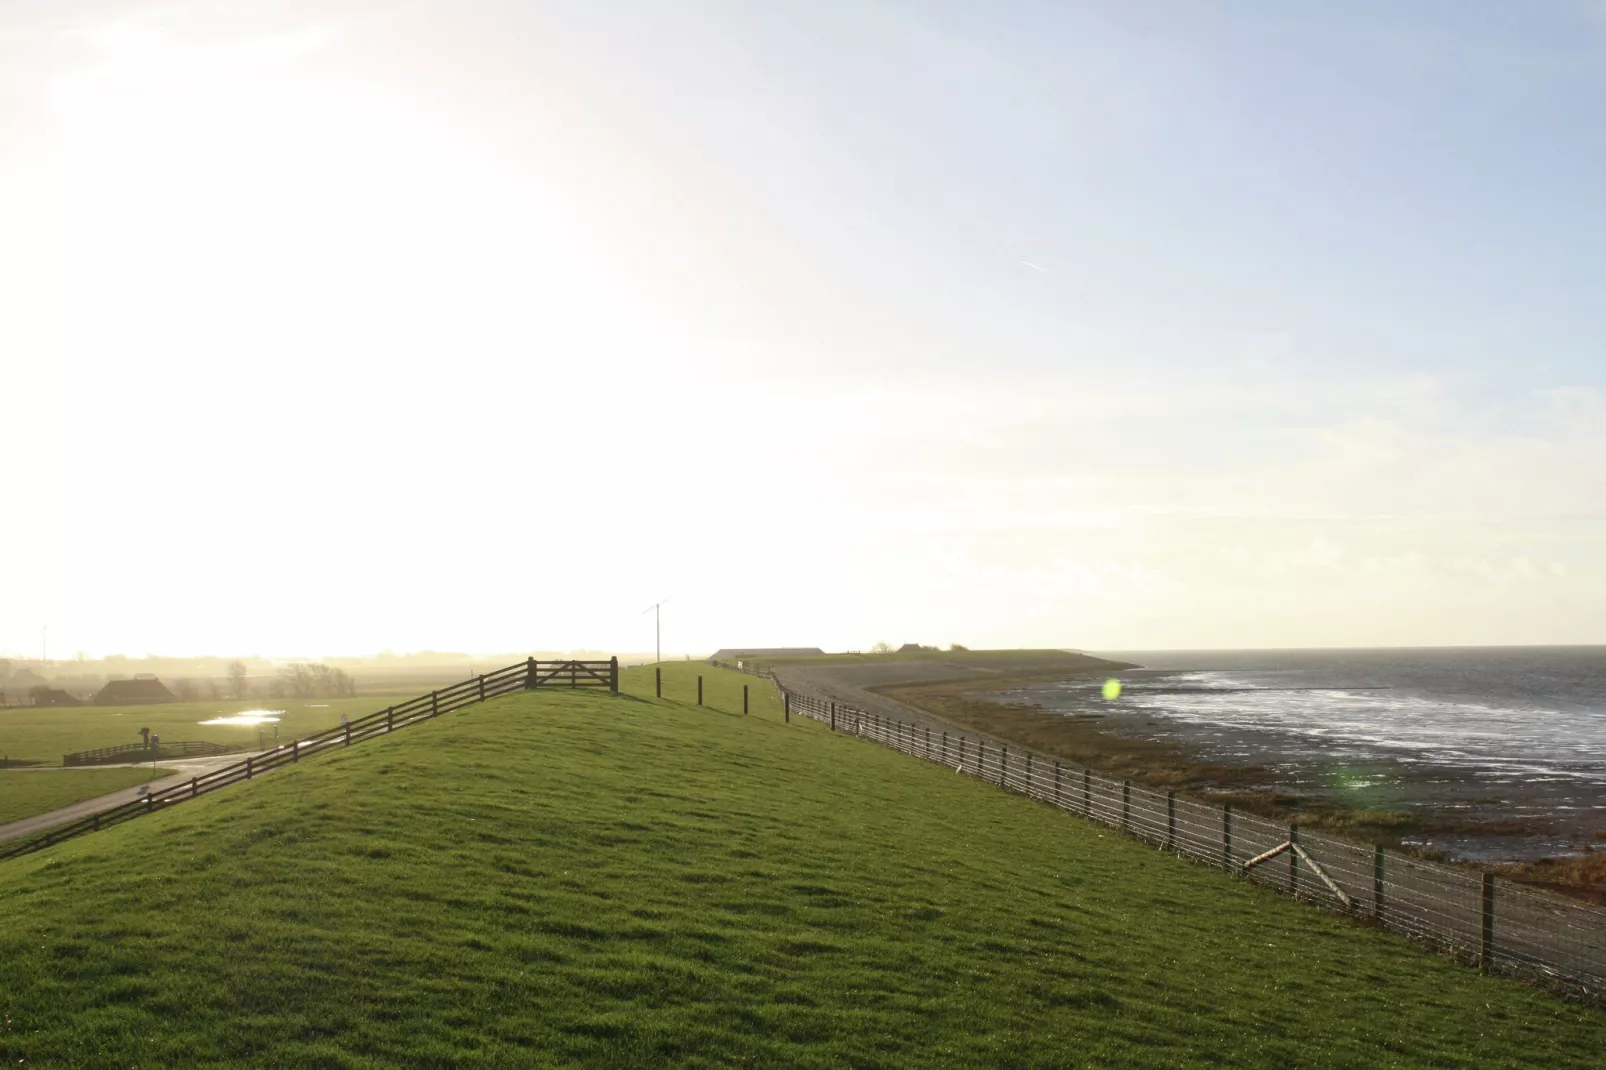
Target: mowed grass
x,y
47,733
580,878
26,792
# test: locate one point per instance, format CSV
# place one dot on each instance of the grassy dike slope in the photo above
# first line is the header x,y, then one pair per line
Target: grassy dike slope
x,y
575,877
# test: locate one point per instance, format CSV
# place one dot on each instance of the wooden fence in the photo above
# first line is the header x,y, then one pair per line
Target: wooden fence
x,y
141,752
1495,924
526,675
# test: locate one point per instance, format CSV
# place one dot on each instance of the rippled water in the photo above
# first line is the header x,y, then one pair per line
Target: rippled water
x,y
1521,730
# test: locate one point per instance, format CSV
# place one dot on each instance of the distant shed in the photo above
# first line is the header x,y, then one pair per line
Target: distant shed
x,y
141,692
745,653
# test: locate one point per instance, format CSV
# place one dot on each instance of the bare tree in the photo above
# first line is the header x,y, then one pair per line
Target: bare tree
x,y
237,678
882,647
305,680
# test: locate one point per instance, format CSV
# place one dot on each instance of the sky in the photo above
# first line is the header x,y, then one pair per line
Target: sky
x,y
328,328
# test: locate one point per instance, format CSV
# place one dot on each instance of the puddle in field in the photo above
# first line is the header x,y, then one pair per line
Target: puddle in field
x,y
247,717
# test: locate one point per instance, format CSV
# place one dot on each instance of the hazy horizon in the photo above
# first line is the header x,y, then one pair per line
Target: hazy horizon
x,y
20,659
1120,326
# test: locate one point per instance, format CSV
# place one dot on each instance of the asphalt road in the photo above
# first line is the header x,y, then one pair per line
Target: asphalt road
x,y
181,769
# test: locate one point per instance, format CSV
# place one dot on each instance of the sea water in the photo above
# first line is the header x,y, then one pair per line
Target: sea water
x,y
1507,732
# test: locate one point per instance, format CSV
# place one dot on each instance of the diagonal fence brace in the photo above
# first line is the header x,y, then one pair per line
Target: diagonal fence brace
x,y
1304,856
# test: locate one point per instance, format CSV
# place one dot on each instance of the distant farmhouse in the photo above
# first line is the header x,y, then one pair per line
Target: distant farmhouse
x,y
24,679
52,696
746,652
139,692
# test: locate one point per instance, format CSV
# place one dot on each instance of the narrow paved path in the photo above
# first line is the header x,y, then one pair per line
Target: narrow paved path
x,y
179,768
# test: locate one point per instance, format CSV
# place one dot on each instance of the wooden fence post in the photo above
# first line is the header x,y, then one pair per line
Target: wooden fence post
x,y
1377,883
1059,795
945,748
699,689
390,718
434,703
1003,763
295,751
1087,792
1226,835
529,674
833,717
1171,820
1126,804
347,726
744,700
658,683
482,696
1293,861
247,769
613,674
786,705
1028,772
1486,956
928,742
195,789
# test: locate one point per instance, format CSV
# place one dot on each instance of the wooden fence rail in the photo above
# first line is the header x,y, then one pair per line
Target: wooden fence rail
x,y
142,752
1518,930
526,675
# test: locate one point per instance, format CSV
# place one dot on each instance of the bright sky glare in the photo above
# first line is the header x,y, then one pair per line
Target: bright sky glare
x,y
341,326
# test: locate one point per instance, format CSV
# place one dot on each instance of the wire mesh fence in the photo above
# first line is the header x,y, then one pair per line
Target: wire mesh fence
x,y
1496,924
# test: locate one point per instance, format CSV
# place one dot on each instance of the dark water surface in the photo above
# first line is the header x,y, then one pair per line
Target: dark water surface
x,y
1489,733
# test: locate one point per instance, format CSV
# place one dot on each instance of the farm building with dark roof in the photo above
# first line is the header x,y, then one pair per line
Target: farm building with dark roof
x,y
740,653
133,693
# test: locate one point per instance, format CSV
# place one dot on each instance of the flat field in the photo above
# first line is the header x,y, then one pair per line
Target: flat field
x,y
46,733
25,792
560,877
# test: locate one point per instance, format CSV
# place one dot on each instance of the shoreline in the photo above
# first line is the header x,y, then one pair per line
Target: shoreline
x,y
1471,810
1453,818
1528,828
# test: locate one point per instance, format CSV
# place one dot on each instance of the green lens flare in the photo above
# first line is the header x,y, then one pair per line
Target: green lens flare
x,y
1112,689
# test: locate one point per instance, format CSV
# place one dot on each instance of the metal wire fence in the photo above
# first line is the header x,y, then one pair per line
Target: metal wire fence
x,y
1495,924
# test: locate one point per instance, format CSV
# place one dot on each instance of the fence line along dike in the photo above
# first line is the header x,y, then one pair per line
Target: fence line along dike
x,y
529,674
1496,925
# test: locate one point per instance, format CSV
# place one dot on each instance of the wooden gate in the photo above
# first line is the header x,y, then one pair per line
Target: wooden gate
x,y
572,674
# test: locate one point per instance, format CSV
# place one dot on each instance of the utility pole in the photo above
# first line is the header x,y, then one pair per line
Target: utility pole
x,y
657,630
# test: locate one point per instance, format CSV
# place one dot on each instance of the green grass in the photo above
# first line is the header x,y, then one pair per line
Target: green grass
x,y
558,877
24,793
47,733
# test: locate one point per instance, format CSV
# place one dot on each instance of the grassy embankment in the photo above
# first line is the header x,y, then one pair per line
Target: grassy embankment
x,y
577,877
